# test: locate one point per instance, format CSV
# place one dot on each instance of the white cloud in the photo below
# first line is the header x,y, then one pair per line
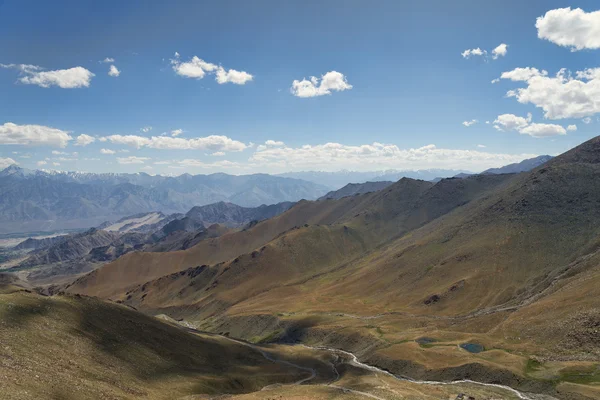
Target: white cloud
x,y
500,51
107,151
108,60
33,135
469,123
561,96
572,128
331,81
218,153
336,156
224,164
56,164
270,143
586,120
113,71
212,143
132,160
509,122
6,162
176,132
40,163
56,152
522,74
481,146
233,76
162,162
473,52
146,129
197,68
71,78
84,140
543,130
573,28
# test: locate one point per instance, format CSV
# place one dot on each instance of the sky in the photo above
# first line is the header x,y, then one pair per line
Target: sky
x,y
275,86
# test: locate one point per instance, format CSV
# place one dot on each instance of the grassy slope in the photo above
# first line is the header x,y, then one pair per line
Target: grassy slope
x,y
70,347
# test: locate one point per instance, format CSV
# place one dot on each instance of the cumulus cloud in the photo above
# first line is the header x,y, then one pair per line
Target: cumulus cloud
x,y
333,156
481,146
107,151
197,68
522,74
218,154
586,120
132,160
113,71
6,162
473,52
500,51
233,76
469,123
560,96
509,122
84,140
331,81
33,135
211,143
42,162
146,129
572,128
572,28
176,132
77,77
56,152
108,60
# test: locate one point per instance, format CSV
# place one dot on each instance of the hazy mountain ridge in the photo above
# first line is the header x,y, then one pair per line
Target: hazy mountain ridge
x,y
42,196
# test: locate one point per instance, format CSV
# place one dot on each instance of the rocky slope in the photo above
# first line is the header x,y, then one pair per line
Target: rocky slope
x,y
352,189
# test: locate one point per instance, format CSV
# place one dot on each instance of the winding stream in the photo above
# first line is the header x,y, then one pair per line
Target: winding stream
x,y
353,360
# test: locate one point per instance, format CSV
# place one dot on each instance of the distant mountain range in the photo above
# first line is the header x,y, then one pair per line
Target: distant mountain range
x,y
40,200
523,166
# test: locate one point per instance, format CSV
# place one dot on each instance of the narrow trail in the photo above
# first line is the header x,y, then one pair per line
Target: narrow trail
x,y
349,358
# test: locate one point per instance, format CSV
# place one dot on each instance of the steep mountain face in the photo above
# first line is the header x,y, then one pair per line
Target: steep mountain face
x,y
233,215
65,198
34,244
360,222
79,245
352,189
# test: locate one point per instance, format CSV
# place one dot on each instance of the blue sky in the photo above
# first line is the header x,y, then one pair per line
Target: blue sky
x,y
398,89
